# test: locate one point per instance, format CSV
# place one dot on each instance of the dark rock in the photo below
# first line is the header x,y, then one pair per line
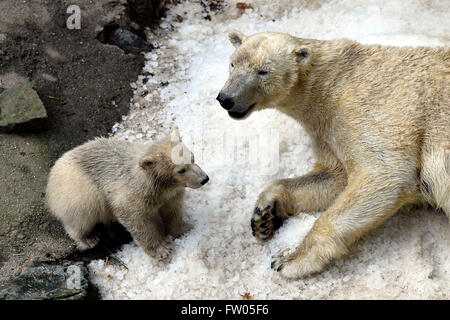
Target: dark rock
x,y
125,38
21,108
43,281
147,13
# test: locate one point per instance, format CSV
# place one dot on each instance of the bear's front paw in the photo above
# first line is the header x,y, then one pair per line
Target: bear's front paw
x,y
272,208
181,230
265,221
299,264
161,251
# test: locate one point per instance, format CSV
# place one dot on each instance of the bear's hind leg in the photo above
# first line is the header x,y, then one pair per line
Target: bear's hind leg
x,y
84,240
76,201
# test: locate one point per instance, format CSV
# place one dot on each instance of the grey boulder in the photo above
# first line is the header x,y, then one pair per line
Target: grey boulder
x,y
21,108
43,281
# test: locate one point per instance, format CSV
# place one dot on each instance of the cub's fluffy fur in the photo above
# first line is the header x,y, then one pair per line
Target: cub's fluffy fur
x,y
136,184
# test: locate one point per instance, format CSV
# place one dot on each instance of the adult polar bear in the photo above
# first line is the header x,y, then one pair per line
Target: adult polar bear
x,y
379,121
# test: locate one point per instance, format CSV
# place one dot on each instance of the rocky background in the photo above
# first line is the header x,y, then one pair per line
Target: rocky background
x,y
82,78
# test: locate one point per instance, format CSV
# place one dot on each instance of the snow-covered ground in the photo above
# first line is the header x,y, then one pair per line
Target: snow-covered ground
x,y
405,258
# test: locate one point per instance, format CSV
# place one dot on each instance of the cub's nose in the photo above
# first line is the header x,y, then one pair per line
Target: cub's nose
x,y
225,101
205,180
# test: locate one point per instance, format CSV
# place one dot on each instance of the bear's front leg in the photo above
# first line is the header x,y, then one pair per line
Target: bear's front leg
x,y
284,198
171,213
147,229
364,204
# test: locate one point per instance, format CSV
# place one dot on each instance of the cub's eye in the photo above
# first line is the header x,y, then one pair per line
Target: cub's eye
x,y
232,65
181,171
262,72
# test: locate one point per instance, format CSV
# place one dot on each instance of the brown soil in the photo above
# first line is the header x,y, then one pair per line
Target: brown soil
x,y
77,78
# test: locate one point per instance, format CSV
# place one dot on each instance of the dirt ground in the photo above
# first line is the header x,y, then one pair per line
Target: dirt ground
x,y
77,78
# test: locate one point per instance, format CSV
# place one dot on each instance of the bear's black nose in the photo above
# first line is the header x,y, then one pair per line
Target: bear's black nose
x,y
225,101
205,180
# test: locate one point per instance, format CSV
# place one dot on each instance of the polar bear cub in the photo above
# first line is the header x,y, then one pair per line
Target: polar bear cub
x,y
139,185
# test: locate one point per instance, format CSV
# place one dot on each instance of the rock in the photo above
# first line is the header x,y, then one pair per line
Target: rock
x,y
147,13
125,38
43,281
21,108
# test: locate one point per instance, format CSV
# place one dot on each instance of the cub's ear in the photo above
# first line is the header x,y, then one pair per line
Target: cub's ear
x,y
302,53
146,161
236,38
175,134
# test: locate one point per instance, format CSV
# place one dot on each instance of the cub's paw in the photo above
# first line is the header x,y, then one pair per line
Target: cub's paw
x,y
265,221
162,251
181,230
88,242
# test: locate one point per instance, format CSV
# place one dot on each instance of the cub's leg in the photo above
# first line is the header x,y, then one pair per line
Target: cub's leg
x,y
76,201
147,229
366,202
84,241
284,198
171,214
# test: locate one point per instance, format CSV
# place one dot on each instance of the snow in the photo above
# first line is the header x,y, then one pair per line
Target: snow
x,y
406,258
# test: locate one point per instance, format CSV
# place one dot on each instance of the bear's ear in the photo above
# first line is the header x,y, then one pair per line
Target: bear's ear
x,y
175,134
146,161
236,38
302,53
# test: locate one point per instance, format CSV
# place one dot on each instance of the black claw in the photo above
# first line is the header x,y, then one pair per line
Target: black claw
x,y
277,222
267,207
273,264
274,209
258,211
280,267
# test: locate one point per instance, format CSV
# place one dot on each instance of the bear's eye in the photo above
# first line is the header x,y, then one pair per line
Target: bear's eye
x,y
232,65
262,72
181,171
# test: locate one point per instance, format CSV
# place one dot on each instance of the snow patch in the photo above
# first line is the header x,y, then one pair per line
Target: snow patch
x,y
405,258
